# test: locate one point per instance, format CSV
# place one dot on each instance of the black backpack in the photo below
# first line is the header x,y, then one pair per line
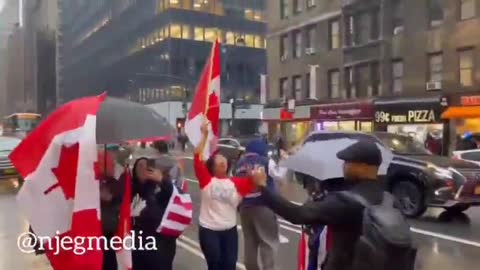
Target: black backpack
x,y
386,241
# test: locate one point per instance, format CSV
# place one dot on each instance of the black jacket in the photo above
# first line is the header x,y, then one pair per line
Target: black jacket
x,y
343,217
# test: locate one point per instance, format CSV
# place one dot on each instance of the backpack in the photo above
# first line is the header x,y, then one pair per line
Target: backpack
x,y
385,242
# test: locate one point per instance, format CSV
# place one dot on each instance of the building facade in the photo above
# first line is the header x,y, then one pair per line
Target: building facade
x,y
350,53
153,51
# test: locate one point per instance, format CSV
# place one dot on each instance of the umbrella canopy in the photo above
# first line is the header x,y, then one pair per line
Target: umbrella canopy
x,y
318,156
120,120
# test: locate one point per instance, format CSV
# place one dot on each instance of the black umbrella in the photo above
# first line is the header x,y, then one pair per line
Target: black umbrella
x,y
120,120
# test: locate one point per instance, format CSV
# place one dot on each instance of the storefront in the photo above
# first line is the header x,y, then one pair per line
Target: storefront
x,y
465,114
351,116
417,117
293,125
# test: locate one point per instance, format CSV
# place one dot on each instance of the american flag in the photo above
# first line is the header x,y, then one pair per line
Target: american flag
x,y
324,245
178,214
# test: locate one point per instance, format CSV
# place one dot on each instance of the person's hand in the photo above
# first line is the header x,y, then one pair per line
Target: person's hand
x,y
259,176
137,206
283,155
155,175
204,127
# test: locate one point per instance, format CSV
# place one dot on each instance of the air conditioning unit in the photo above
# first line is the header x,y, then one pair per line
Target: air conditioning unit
x,y
310,51
434,85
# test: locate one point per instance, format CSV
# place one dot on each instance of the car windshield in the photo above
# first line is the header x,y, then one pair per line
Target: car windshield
x,y
8,144
403,145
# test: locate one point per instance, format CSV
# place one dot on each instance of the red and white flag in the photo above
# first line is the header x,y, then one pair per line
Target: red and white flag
x,y
206,104
60,193
303,252
124,256
178,214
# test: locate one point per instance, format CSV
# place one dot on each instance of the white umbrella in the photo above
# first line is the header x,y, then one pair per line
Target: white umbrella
x,y
318,158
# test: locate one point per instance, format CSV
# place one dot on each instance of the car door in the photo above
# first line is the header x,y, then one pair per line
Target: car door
x,y
472,156
229,148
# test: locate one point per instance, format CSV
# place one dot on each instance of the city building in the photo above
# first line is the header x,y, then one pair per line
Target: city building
x,y
350,63
154,50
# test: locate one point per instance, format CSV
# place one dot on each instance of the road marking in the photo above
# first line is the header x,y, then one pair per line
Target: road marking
x,y
196,249
413,229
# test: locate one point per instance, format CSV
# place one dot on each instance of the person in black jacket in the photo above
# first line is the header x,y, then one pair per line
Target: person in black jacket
x,y
343,216
151,192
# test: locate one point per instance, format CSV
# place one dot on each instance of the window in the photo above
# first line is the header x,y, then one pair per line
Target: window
x,y
284,47
350,90
374,25
397,76
186,34
362,28
210,34
176,31
435,67
259,42
350,31
397,16
467,9
284,12
311,3
250,40
334,34
283,87
297,6
297,87
374,89
230,38
297,44
175,3
466,67
198,33
310,37
334,83
307,85
435,12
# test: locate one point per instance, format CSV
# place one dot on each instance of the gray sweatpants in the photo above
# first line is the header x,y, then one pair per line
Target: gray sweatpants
x,y
260,232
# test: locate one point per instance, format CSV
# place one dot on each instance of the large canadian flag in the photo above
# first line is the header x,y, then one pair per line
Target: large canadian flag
x,y
206,104
60,194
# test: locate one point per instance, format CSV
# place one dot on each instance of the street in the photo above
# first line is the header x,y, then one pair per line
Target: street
x,y
444,242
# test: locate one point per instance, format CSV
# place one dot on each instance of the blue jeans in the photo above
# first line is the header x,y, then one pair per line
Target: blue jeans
x,y
220,248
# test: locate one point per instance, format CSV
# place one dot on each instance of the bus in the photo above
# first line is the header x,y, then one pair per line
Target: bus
x,y
20,124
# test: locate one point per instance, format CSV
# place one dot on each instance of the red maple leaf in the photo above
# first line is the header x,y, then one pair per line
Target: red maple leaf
x,y
66,171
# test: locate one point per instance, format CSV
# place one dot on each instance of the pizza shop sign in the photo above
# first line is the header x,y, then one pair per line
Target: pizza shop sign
x,y
411,116
408,112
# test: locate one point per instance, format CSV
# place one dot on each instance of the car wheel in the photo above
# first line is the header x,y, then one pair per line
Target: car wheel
x,y
410,198
457,209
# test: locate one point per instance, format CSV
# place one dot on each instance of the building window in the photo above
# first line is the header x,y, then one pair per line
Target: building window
x,y
374,89
311,3
198,33
297,87
259,42
334,34
334,83
307,85
435,67
284,12
397,76
210,34
297,6
230,38
310,38
466,67
176,31
362,28
186,34
250,40
283,87
374,24
297,44
284,47
350,31
350,90
467,9
397,16
435,8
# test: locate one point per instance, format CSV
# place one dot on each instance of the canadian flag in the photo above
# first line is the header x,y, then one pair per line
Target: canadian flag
x,y
206,104
61,193
124,257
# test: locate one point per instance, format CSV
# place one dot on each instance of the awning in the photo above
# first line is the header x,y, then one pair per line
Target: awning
x,y
462,112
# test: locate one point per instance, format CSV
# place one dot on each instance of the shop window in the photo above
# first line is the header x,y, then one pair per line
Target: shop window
x,y
259,42
284,9
435,67
284,47
334,83
467,9
366,126
297,44
186,32
297,87
240,39
397,16
249,41
435,9
198,33
310,39
397,75
346,125
220,36
334,34
466,67
210,34
283,87
230,38
175,31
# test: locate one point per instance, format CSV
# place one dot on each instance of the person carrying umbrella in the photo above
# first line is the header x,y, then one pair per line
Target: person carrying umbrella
x,y
347,214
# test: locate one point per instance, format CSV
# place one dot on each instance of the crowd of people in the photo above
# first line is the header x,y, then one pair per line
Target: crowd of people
x,y
252,191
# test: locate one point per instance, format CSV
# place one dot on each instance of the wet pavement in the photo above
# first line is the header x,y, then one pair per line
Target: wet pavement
x,y
445,242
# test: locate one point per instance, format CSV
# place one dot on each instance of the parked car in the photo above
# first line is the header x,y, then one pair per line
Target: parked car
x,y
468,155
7,144
233,148
419,179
